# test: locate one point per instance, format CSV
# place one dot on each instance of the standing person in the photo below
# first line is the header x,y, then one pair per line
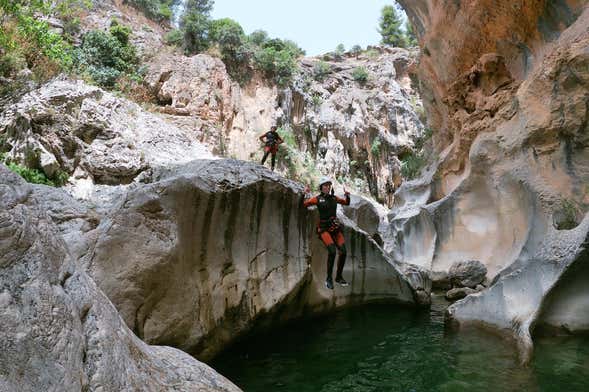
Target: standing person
x,y
390,191
271,141
329,229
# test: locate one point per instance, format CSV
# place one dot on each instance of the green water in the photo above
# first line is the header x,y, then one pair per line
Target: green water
x,y
382,348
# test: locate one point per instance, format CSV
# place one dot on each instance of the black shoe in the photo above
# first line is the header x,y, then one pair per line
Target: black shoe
x,y
341,282
329,283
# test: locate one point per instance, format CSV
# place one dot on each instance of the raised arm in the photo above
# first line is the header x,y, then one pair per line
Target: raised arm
x,y
346,200
309,201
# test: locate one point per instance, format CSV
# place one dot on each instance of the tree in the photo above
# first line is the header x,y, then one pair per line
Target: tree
x,y
231,39
196,32
356,50
258,37
203,7
390,27
227,33
196,25
410,37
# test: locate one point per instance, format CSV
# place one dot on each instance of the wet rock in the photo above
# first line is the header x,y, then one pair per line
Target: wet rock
x,y
467,273
440,280
459,293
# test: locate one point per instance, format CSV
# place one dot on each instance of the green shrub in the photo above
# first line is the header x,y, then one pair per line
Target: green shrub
x,y
360,75
33,176
320,70
411,165
174,37
106,56
375,147
279,64
372,54
420,141
317,100
120,32
26,40
158,10
569,215
356,50
258,37
233,45
286,66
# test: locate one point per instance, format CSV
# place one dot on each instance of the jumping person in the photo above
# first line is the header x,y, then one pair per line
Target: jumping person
x,y
271,141
329,229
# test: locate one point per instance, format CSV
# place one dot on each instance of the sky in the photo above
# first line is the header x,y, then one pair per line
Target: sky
x,y
317,26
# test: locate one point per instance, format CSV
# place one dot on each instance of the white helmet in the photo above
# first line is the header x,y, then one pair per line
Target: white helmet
x,y
324,180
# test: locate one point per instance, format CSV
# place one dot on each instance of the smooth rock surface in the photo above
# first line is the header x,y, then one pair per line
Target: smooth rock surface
x,y
206,251
58,331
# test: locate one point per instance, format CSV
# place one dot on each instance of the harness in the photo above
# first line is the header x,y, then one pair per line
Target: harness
x,y
271,138
331,225
327,214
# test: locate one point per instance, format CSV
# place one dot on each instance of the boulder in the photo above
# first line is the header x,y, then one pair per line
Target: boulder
x,y
467,273
92,135
59,332
459,293
440,280
208,250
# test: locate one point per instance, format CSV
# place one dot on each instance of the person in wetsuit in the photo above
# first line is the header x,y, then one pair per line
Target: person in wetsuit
x,y
328,228
271,142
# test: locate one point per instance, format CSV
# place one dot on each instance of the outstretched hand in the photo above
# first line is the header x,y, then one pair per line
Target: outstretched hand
x,y
307,189
346,192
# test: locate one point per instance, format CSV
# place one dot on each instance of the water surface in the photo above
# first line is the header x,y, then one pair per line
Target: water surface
x,y
380,348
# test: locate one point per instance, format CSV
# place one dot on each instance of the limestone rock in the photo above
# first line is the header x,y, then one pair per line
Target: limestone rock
x,y
441,280
92,135
194,258
366,213
58,330
467,273
513,153
459,293
347,128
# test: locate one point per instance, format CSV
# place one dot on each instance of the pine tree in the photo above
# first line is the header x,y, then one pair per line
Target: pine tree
x,y
196,25
390,27
410,37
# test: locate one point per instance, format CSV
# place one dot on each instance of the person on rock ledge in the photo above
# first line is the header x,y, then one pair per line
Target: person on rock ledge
x,y
271,142
328,227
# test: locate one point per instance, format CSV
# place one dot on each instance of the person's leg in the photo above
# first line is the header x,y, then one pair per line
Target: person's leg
x,y
331,252
341,261
273,160
265,156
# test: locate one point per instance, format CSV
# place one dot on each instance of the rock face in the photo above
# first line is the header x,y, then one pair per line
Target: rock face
x,y
349,130
467,273
507,95
459,293
91,135
211,249
58,332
